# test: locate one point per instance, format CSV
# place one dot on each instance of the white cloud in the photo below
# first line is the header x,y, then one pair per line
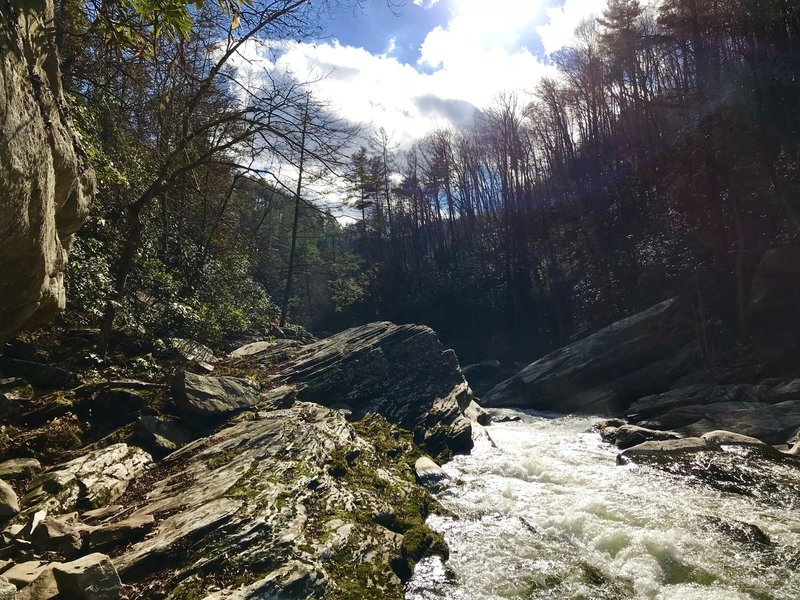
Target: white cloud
x,y
559,29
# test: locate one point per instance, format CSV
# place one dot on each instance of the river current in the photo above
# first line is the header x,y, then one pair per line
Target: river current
x,y
541,510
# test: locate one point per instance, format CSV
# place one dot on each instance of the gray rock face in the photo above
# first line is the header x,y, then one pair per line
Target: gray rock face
x,y
213,396
91,577
428,472
606,371
399,372
162,433
111,535
283,499
8,591
9,504
728,462
189,350
60,535
45,181
625,435
19,468
91,481
752,410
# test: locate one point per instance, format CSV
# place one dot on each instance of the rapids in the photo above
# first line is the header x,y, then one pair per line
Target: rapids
x,y
547,513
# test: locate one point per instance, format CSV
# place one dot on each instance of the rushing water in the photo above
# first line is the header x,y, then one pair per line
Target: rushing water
x,y
547,513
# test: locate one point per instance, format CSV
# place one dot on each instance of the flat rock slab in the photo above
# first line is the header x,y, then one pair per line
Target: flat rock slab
x,y
19,468
278,493
90,481
91,577
213,396
189,350
604,372
111,535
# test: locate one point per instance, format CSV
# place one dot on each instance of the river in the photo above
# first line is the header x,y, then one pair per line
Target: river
x,y
543,511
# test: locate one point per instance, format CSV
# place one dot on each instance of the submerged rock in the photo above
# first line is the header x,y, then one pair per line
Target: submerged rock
x,y
606,371
400,372
625,435
726,461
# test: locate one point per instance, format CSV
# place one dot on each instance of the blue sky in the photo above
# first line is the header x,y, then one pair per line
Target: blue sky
x,y
423,64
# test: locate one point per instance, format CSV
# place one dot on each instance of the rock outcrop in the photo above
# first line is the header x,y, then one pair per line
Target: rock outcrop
x,y
45,181
755,410
605,372
726,461
289,503
401,372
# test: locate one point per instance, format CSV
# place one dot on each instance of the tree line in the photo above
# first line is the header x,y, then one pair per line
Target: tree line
x,y
662,160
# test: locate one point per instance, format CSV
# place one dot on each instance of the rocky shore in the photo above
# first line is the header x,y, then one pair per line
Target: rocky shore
x,y
283,468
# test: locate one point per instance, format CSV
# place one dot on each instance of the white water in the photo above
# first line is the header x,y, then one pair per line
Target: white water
x,y
547,513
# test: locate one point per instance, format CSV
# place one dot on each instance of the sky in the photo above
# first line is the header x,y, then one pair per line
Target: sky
x,y
415,66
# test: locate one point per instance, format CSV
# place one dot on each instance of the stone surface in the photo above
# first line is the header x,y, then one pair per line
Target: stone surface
x,y
19,468
39,374
44,587
484,375
91,577
161,433
128,530
8,591
9,504
22,574
720,437
14,394
726,462
400,372
286,500
57,534
606,371
190,351
625,435
213,396
46,182
428,472
91,481
747,409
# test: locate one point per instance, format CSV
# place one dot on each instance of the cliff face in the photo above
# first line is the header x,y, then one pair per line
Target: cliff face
x,y
46,183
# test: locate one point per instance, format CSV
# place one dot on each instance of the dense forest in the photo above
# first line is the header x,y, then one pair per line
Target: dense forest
x,y
664,159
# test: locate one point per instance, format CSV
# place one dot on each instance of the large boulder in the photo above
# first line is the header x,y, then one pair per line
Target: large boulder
x,y
291,503
725,461
401,372
606,371
46,182
213,396
755,410
91,481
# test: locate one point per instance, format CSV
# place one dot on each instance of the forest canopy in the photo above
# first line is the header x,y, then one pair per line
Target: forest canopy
x,y
663,159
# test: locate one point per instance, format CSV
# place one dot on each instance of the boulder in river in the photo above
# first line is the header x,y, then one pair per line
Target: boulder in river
x,y
606,371
401,372
753,410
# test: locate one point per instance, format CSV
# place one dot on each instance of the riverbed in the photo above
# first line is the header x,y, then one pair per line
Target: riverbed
x,y
542,510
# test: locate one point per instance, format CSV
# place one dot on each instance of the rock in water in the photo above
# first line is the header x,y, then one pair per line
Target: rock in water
x,y
606,371
399,372
46,182
213,396
92,577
